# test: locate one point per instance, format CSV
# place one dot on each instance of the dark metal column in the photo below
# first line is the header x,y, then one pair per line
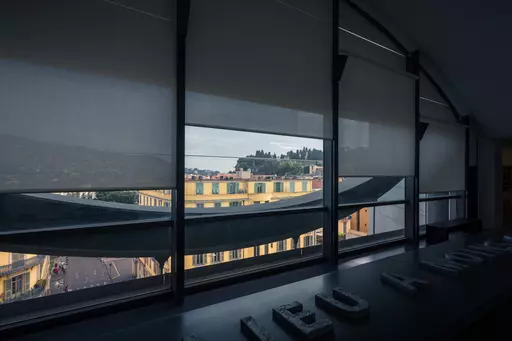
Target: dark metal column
x,y
178,209
412,183
330,242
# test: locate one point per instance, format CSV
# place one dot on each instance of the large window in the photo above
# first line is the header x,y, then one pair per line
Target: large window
x,y
252,173
90,148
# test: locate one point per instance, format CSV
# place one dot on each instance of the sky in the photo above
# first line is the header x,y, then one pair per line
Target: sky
x,y
235,144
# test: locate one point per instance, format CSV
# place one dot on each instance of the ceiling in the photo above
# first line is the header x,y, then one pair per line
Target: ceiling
x,y
470,41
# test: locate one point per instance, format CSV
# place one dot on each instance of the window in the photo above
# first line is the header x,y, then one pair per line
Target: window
x,y
200,205
372,223
308,241
304,185
256,251
17,258
236,254
217,204
235,204
259,187
17,285
215,188
199,188
281,245
199,259
217,257
278,186
257,202
233,187
292,186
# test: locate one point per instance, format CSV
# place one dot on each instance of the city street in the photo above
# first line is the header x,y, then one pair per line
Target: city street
x,y
83,273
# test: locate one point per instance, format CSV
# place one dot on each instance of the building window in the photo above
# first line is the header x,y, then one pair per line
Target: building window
x,y
233,187
199,188
259,187
217,204
217,257
304,186
308,241
281,245
278,186
235,204
266,249
236,254
17,285
199,259
200,205
256,251
292,186
215,188
17,257
257,202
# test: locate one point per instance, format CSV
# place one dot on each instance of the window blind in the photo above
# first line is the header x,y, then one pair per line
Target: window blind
x,y
376,121
87,96
260,65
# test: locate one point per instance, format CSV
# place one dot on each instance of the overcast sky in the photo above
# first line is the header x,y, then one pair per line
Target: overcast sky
x,y
234,144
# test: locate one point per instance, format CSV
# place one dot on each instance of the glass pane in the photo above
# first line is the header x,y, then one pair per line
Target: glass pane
x,y
28,284
371,224
250,171
244,172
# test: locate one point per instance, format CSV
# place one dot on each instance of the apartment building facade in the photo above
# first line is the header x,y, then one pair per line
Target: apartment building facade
x,y
22,275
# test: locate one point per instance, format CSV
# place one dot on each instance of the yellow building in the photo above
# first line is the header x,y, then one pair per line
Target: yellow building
x,y
22,275
234,192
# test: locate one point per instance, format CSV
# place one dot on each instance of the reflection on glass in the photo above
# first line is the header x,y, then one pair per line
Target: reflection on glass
x,y
371,221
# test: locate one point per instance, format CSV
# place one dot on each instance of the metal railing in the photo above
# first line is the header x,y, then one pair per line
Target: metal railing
x,y
21,265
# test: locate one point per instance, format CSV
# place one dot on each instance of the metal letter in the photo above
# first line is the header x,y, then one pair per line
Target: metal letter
x,y
253,331
443,267
404,284
343,304
301,323
464,258
488,249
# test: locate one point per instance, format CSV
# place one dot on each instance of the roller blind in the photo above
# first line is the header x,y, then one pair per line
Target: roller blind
x,y
260,65
87,95
442,157
376,121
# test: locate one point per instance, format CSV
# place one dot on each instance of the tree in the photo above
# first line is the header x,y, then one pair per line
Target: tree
x,y
124,197
285,165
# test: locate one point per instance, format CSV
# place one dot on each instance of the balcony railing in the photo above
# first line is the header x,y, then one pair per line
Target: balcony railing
x,y
21,265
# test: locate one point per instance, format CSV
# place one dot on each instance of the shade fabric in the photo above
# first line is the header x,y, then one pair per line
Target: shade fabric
x,y
87,95
442,157
376,121
358,37
260,65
